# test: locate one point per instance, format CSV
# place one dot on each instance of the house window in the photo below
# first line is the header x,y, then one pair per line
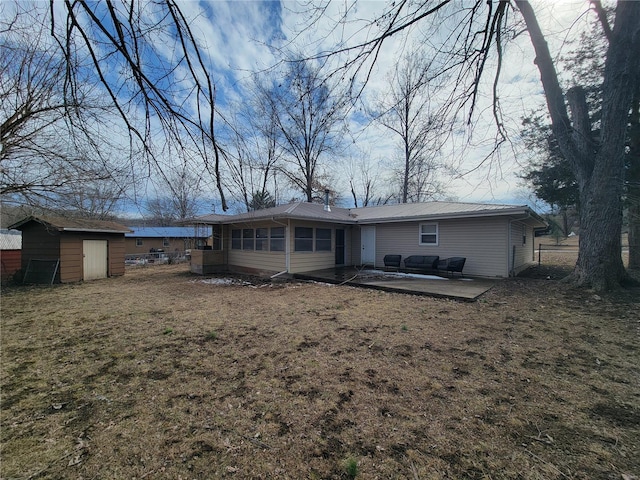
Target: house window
x,y
277,239
139,242
524,238
247,239
428,234
304,239
236,239
323,239
262,239
165,242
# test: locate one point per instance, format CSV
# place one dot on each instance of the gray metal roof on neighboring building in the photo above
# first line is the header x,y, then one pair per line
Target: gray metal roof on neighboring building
x,y
163,232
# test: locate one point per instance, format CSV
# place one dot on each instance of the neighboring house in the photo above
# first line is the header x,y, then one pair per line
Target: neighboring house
x,y
56,249
168,239
10,253
497,240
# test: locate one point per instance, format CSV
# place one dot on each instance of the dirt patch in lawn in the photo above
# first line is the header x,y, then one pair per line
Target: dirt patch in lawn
x,y
159,374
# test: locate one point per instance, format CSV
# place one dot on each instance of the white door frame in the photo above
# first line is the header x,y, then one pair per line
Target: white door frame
x,y
368,245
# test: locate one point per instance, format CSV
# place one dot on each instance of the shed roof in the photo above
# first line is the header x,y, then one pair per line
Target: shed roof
x,y
380,214
63,224
163,232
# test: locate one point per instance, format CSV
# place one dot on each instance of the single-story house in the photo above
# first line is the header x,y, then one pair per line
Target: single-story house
x,y
10,253
142,240
496,240
56,249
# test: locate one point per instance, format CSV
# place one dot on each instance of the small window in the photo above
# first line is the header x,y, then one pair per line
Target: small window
x,y
277,239
247,239
165,242
323,239
262,239
236,239
524,238
428,234
304,239
139,242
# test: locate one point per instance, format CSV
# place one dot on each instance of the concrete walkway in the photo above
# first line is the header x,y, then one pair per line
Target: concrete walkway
x,y
460,288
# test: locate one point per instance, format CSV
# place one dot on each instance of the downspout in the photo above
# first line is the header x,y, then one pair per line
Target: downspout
x,y
287,256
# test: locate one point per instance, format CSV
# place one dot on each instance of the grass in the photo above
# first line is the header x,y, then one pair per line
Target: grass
x,y
535,381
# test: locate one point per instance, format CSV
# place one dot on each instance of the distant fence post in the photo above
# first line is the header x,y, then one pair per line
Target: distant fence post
x,y
539,254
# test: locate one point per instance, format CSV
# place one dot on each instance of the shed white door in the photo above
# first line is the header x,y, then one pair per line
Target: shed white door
x,y
368,240
94,262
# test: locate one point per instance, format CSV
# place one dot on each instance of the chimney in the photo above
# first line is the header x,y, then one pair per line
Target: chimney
x,y
327,208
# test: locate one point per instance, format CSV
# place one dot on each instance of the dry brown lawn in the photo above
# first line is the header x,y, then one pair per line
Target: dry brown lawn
x,y
158,374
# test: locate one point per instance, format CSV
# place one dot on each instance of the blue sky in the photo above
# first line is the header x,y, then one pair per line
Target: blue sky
x,y
240,38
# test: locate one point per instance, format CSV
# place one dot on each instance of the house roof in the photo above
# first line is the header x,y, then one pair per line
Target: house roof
x,y
381,214
298,210
63,224
442,210
163,232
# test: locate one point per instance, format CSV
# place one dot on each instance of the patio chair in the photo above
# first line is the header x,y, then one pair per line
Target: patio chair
x,y
452,265
392,261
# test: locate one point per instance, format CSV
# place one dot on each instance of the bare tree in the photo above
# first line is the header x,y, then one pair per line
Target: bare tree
x,y
153,92
598,166
310,115
408,110
255,162
52,152
478,31
177,195
365,183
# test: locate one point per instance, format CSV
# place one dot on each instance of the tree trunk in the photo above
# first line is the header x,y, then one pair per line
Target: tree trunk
x,y
599,262
634,232
633,183
598,169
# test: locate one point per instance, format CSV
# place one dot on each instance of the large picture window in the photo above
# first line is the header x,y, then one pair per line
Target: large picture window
x,y
236,239
262,239
323,239
428,234
277,239
247,239
304,239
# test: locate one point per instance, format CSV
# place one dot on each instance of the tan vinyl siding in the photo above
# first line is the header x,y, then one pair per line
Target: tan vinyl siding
x,y
484,243
309,261
264,261
268,261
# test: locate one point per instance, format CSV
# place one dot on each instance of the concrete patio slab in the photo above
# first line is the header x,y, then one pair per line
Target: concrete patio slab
x,y
464,288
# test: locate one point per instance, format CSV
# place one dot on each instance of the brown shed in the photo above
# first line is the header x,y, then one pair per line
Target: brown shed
x,y
71,249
